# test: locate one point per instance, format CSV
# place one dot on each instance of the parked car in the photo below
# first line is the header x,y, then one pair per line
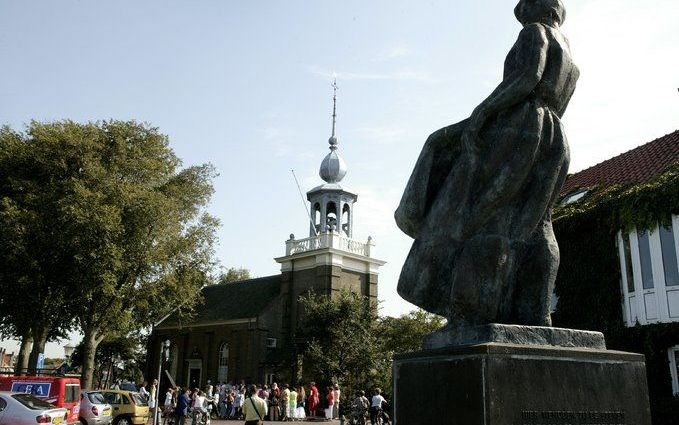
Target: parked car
x,y
94,410
128,407
25,409
59,391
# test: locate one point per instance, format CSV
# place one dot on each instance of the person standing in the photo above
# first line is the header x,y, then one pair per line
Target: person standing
x,y
292,404
254,408
301,402
182,409
285,395
237,404
153,396
335,408
263,393
143,392
329,403
274,402
313,400
167,405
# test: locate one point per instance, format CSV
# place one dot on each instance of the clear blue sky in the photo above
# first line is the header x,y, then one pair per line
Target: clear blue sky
x,y
246,85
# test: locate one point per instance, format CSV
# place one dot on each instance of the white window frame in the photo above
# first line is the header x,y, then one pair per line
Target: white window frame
x,y
673,368
658,295
223,362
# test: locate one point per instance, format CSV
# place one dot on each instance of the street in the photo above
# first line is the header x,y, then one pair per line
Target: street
x,y
221,422
216,422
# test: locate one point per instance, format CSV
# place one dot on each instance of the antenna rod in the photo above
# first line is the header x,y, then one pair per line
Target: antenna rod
x,y
306,208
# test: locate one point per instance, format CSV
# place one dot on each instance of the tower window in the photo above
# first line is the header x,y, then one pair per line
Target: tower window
x,y
346,219
331,213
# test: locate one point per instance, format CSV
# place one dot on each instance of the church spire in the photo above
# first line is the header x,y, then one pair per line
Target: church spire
x,y
333,168
333,138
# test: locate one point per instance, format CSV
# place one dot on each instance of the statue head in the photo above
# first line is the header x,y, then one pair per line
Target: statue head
x,y
540,11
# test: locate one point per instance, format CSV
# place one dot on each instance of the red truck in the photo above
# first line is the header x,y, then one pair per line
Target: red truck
x,y
59,391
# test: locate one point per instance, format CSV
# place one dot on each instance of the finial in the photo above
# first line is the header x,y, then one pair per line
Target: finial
x,y
333,138
333,167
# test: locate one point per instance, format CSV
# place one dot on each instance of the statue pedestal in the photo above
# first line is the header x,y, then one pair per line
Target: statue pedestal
x,y
510,384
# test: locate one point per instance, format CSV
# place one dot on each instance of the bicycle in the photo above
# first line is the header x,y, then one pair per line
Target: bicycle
x,y
200,417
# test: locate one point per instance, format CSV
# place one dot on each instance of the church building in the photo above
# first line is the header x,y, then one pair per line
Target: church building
x,y
246,330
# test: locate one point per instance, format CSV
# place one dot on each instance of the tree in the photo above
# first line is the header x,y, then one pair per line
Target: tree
x,y
404,334
122,225
234,274
343,341
124,354
36,303
349,344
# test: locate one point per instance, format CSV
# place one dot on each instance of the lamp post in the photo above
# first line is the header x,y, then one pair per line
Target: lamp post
x,y
68,351
164,356
65,366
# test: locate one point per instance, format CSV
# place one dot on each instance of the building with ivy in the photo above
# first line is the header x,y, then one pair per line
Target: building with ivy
x,y
618,231
247,330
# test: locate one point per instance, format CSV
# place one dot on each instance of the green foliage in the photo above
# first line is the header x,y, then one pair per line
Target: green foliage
x,y
343,345
624,207
234,274
103,226
588,282
350,345
122,357
404,334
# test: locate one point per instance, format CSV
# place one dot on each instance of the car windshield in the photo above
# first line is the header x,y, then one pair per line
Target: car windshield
x,y
139,401
31,402
96,398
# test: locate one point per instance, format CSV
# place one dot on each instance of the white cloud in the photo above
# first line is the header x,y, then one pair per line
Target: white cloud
x,y
394,52
381,134
270,133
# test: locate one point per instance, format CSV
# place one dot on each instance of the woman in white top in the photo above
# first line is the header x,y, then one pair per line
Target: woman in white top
x,y
168,405
153,395
376,405
143,392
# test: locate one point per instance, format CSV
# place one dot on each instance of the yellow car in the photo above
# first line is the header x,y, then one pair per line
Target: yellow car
x,y
128,407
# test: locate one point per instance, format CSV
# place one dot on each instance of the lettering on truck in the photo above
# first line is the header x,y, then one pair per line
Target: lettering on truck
x,y
38,389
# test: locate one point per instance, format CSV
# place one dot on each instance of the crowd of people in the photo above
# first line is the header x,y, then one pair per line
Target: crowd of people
x,y
187,406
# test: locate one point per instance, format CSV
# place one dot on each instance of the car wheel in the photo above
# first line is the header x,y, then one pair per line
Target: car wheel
x,y
83,421
123,421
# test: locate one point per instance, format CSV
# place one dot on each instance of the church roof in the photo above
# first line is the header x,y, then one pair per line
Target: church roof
x,y
638,165
230,301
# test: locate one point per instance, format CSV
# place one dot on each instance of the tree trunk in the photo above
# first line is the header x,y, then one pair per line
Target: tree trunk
x,y
39,341
91,341
24,352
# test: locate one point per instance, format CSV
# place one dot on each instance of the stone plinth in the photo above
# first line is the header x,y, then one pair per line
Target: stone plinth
x,y
514,334
509,384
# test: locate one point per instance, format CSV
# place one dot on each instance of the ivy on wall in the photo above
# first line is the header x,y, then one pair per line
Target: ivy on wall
x,y
588,282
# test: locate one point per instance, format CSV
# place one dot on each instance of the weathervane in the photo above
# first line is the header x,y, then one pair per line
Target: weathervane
x,y
334,112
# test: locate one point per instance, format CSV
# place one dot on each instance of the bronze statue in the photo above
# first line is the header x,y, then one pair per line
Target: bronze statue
x,y
478,202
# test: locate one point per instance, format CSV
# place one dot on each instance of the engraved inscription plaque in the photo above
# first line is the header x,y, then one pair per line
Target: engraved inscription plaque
x,y
568,417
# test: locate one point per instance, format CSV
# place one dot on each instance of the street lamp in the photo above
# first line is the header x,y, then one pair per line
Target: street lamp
x,y
68,351
164,356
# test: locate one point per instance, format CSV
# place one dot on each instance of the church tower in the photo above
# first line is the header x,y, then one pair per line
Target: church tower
x,y
331,205
330,260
